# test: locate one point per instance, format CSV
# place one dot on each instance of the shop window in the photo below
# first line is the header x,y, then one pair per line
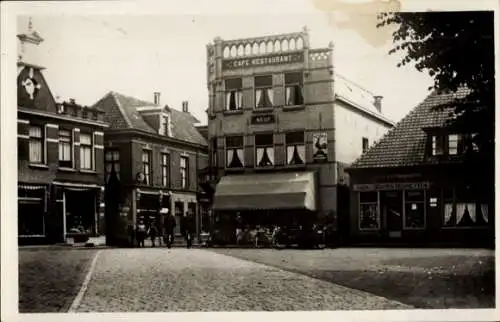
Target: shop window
x,y
365,144
86,155
234,94
414,209
184,168
112,163
65,149
369,217
234,152
36,144
293,89
179,209
146,166
191,208
295,148
264,150
31,210
264,93
165,169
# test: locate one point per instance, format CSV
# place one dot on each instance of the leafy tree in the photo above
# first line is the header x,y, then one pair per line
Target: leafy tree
x,y
457,50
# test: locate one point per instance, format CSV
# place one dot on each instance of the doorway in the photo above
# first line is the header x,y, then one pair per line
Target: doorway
x,y
392,212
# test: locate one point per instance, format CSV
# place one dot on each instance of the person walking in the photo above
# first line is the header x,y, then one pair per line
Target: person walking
x,y
140,233
169,226
153,232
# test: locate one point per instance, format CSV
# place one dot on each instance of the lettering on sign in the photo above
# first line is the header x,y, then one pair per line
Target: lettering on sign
x,y
391,186
261,61
263,119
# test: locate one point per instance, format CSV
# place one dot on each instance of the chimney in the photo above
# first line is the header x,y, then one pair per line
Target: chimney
x,y
157,98
185,108
378,103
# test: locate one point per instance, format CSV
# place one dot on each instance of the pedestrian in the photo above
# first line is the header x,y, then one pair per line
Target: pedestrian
x,y
188,228
140,233
153,232
169,226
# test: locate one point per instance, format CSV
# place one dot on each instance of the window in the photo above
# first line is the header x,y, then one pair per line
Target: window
x,y
265,150
369,217
184,168
453,144
234,94
205,218
365,145
65,149
295,148
263,91
86,155
31,212
146,166
234,152
191,208
165,167
414,209
165,125
36,144
112,164
437,145
213,158
293,89
463,209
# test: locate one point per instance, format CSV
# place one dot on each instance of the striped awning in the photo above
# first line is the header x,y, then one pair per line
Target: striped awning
x,y
76,186
266,191
25,186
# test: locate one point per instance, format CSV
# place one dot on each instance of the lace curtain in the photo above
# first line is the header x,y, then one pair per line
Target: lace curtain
x,y
295,154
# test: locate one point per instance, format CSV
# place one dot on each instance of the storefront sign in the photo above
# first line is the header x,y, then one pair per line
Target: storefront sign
x,y
320,147
263,119
391,186
261,61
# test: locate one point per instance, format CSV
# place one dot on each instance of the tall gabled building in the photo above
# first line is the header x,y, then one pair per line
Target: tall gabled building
x,y
422,183
60,157
152,156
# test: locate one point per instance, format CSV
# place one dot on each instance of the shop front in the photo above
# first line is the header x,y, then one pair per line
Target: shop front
x,y
261,201
433,211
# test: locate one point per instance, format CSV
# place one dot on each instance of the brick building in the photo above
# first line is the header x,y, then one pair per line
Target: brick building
x,y
60,157
423,183
282,127
152,156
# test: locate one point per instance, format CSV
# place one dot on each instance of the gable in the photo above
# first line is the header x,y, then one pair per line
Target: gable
x,y
33,91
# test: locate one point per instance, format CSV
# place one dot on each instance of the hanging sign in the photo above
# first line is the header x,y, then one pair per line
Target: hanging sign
x,y
263,119
262,61
320,147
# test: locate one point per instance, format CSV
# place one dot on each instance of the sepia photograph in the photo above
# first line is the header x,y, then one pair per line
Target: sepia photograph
x,y
339,157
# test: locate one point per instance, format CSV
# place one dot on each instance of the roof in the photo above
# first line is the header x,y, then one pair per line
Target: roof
x,y
357,96
404,145
121,113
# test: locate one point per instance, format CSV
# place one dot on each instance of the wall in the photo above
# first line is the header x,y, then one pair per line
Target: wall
x,y
50,171
351,126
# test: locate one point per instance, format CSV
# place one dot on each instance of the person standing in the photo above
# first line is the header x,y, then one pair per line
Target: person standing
x,y
188,228
169,226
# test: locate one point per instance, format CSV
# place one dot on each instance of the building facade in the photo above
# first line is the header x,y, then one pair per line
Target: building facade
x,y
60,158
152,156
423,183
279,132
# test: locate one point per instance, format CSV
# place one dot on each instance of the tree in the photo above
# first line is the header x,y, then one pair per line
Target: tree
x,y
457,50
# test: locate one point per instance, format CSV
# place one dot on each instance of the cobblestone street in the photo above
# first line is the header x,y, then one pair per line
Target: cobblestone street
x,y
153,280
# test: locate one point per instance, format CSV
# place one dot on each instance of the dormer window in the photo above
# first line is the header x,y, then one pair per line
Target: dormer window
x,y
453,144
437,145
165,125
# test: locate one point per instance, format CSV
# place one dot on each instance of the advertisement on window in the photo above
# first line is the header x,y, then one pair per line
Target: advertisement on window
x,y
320,147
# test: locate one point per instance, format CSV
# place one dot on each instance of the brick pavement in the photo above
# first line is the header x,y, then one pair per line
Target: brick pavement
x,y
424,278
159,280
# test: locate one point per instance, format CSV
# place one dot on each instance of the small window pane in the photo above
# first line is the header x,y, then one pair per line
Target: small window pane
x,y
263,139
85,139
368,196
294,137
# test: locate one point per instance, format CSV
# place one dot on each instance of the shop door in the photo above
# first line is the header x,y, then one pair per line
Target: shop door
x,y
392,210
179,213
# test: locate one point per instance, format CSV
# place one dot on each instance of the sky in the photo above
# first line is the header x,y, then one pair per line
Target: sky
x,y
87,55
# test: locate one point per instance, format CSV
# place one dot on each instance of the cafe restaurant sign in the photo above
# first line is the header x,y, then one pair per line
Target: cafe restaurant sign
x,y
391,186
262,61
